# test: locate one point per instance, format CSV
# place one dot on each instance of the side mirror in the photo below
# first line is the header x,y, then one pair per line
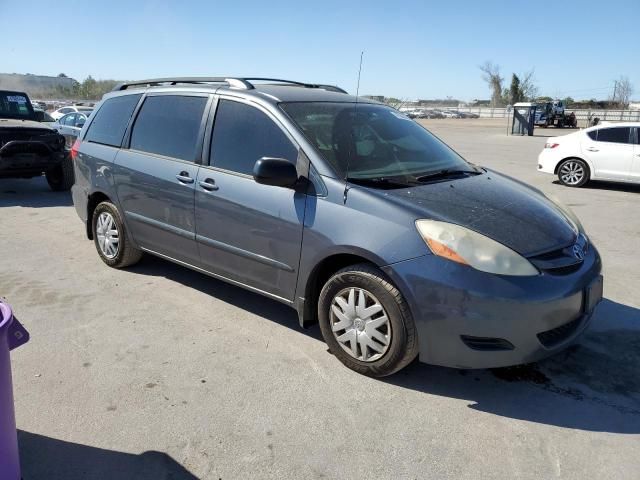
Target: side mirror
x,y
39,115
275,171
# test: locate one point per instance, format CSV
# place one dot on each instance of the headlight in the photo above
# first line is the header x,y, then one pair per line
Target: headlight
x,y
568,213
467,247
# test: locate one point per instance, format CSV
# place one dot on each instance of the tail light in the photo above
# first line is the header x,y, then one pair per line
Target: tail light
x,y
551,145
74,149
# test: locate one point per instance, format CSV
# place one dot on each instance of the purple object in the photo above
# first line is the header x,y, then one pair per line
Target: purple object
x,y
9,458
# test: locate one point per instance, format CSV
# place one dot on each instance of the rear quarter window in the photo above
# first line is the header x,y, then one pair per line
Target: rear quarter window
x,y
111,120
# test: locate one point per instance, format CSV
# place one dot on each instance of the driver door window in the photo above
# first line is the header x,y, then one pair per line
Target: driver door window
x,y
242,134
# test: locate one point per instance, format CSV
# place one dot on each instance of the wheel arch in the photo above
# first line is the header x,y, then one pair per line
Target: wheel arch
x,y
93,201
307,305
574,157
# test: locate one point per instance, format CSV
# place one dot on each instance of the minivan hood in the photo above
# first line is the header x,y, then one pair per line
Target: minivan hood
x,y
494,205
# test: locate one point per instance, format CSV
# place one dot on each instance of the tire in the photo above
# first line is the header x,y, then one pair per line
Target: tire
x,y
125,253
580,175
61,177
398,330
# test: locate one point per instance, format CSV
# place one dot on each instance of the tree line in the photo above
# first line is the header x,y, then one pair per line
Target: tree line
x,y
524,89
88,89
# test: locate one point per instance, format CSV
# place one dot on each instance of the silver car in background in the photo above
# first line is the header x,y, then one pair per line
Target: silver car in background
x,y
70,126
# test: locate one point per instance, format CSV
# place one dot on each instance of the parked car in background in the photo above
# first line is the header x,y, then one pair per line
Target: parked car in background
x,y
71,109
608,151
29,148
70,125
348,212
452,114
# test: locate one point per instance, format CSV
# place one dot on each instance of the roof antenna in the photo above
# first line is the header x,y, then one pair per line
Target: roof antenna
x,y
355,111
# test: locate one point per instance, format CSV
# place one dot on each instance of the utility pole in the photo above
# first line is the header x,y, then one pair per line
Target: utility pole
x,y
615,88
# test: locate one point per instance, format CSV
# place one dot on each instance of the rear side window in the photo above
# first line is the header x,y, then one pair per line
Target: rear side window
x,y
169,125
614,135
69,119
242,135
593,134
111,120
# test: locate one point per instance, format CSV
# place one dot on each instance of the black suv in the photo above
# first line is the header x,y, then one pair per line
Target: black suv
x,y
27,147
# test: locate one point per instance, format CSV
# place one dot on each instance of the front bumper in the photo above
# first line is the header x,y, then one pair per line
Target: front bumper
x,y
28,158
452,303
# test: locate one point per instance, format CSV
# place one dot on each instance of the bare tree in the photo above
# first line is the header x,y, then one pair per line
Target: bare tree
x,y
528,88
622,92
491,75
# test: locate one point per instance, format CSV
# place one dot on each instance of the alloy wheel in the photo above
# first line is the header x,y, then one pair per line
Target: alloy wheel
x,y
572,173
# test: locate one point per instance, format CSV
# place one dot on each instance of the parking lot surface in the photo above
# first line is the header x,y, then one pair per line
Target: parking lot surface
x,y
158,372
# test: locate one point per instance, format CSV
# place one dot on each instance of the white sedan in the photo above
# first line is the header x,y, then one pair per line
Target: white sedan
x,y
59,113
608,151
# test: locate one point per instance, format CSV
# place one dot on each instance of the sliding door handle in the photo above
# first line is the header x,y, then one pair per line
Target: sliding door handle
x,y
183,177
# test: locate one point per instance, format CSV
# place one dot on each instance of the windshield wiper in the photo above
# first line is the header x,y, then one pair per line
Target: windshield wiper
x,y
378,182
446,173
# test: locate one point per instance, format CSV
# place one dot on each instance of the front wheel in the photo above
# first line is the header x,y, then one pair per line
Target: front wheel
x,y
573,172
366,322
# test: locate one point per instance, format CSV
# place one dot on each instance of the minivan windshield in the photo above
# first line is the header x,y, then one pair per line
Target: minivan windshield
x,y
374,142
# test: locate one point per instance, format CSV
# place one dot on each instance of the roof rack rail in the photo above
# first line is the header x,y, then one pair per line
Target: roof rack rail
x,y
235,82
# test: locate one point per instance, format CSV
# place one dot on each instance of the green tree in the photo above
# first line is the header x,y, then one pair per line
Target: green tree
x,y
515,93
88,88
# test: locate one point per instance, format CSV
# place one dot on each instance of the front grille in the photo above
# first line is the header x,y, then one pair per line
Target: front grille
x,y
566,270
557,335
486,344
561,261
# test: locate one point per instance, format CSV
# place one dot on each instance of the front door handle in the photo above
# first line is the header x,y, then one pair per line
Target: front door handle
x,y
593,149
184,177
209,184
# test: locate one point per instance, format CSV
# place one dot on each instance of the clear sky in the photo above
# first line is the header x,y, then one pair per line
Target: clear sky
x,y
413,49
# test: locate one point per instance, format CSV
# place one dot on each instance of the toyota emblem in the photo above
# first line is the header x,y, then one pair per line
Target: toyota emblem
x,y
578,251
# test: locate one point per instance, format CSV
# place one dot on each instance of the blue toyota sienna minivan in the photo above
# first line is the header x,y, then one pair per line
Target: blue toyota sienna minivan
x,y
343,208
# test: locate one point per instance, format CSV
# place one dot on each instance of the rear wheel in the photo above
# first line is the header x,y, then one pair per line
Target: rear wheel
x,y
366,322
111,239
61,177
573,172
